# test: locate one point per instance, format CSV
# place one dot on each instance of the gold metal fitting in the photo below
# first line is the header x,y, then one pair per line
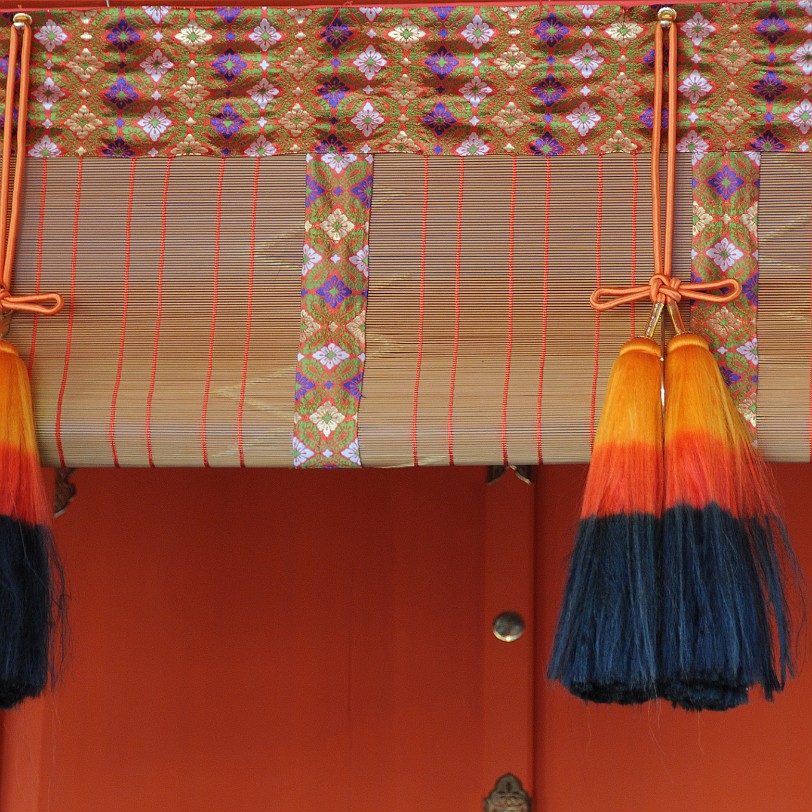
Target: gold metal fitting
x,y
21,20
666,15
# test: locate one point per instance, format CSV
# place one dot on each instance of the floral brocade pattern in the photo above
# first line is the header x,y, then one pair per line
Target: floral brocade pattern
x,y
725,245
545,79
330,370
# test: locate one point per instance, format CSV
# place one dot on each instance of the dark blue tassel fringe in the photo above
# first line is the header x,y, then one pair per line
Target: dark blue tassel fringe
x,y
605,644
31,605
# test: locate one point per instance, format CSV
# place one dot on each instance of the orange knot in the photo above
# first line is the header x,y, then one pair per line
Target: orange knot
x,y
662,288
41,304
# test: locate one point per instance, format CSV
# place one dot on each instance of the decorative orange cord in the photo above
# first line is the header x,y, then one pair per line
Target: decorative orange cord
x,y
44,304
663,290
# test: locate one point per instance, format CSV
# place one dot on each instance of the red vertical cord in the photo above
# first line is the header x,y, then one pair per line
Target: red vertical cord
x,y
77,208
634,235
213,327
598,225
509,350
544,293
422,313
249,309
124,310
455,353
158,314
40,238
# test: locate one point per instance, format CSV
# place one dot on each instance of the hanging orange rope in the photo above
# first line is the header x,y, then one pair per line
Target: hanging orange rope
x,y
32,598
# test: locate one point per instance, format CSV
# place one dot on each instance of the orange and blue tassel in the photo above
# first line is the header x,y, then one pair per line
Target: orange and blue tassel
x,y
605,647
727,567
32,594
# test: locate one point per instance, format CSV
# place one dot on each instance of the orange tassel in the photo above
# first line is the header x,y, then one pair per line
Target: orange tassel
x,y
727,562
605,648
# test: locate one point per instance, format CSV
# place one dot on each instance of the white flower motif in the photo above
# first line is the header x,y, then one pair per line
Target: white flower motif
x,y
261,148
803,57
264,35
352,453
330,355
624,31
157,13
370,12
583,118
337,225
301,453
157,66
694,144
806,5
263,92
695,86
697,28
361,260
475,91
477,32
587,60
750,351
367,119
44,148
154,123
369,62
588,9
338,161
472,146
50,36
725,254
327,419
193,36
406,33
801,116
48,93
310,259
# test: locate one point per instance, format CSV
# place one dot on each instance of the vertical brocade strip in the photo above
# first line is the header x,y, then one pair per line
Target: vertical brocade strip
x,y
725,244
330,369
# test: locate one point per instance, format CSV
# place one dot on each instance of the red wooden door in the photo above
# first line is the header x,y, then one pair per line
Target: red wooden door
x,y
271,640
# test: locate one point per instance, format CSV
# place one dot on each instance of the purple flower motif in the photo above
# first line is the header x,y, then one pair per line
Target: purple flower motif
x,y
354,384
334,291
439,119
118,149
333,91
442,12
750,289
337,33
363,191
770,87
228,122
769,142
772,28
331,144
647,117
121,94
550,90
547,146
551,30
304,386
442,62
726,182
4,67
229,65
229,13
122,36
314,190
729,375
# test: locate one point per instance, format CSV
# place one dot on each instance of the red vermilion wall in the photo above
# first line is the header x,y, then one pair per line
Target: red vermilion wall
x,y
313,641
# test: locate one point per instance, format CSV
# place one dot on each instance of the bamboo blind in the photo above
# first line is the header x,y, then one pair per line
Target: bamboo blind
x,y
480,339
